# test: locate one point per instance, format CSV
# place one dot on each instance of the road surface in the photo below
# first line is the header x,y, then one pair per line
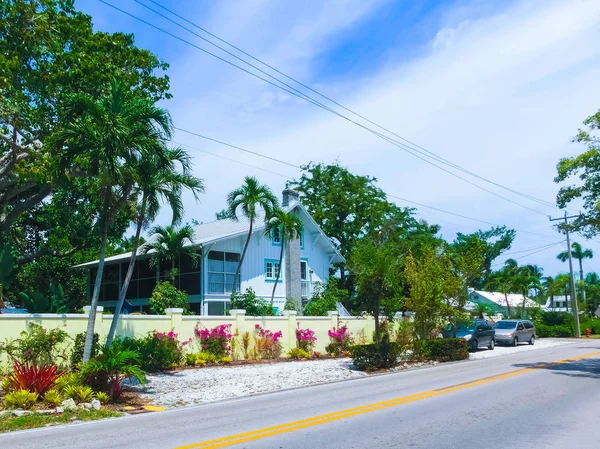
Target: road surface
x,y
540,399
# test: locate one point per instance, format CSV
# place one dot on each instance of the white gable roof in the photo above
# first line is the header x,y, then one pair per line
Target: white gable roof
x,y
514,300
214,231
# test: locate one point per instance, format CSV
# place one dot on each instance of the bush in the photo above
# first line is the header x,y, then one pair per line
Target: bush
x,y
20,399
325,298
291,304
159,351
441,349
340,341
559,330
102,397
216,341
79,393
405,334
252,304
305,339
376,356
166,296
67,380
52,398
267,343
38,346
78,346
297,354
37,379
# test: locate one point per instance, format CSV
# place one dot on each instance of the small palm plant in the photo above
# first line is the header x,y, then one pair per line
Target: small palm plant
x,y
108,370
168,244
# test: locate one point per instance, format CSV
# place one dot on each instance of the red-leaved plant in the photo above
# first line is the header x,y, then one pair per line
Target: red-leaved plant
x,y
37,379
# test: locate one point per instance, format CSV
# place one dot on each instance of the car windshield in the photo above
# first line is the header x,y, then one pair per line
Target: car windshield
x,y
461,327
505,325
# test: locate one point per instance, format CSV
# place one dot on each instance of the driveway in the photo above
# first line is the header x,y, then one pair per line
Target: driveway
x,y
541,343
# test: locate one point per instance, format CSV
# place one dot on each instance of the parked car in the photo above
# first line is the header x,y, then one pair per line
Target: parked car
x,y
478,333
513,332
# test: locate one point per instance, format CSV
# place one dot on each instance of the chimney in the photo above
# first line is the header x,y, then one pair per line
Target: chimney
x,y
290,197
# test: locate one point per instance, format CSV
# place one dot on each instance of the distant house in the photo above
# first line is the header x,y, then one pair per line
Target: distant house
x,y
557,304
497,301
209,283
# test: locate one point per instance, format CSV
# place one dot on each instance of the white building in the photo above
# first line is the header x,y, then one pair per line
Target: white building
x,y
209,283
497,300
557,304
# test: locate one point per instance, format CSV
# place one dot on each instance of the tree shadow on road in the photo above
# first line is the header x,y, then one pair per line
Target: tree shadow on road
x,y
589,368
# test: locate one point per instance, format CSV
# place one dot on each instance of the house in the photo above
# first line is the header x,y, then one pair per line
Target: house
x,y
557,304
209,282
497,301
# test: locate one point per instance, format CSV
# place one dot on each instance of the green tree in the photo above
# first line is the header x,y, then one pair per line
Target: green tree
x,y
592,285
468,256
528,279
164,296
159,180
247,200
579,254
289,227
222,215
169,244
563,282
325,298
550,288
107,139
502,281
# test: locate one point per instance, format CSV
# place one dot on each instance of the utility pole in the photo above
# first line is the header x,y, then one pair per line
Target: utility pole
x,y
574,307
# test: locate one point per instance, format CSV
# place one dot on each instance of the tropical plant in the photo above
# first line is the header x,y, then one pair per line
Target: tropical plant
x,y
305,339
550,288
216,341
268,344
30,377
78,345
252,304
79,393
38,346
298,354
482,309
325,297
52,398
340,340
108,370
563,282
579,254
527,279
54,301
247,200
159,180
107,139
102,397
503,282
165,296
168,244
20,399
160,351
68,380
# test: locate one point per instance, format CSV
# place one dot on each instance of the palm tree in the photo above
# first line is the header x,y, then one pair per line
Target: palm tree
x,y
159,180
563,282
502,281
168,244
578,253
289,227
249,198
105,141
527,279
551,288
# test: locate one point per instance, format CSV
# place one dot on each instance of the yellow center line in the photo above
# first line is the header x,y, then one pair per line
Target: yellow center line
x,y
367,408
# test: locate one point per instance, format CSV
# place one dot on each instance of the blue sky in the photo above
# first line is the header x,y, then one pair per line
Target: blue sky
x,y
497,87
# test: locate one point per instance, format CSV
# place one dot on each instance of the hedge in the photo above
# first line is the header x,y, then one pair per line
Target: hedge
x,y
376,356
441,350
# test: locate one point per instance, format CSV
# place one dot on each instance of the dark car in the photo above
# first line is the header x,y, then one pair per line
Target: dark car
x,y
478,333
513,332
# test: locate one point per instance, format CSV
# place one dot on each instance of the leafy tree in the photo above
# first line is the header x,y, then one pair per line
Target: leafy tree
x,y
48,53
592,285
325,298
579,254
159,180
108,138
468,256
247,200
170,243
52,301
164,296
289,226
252,304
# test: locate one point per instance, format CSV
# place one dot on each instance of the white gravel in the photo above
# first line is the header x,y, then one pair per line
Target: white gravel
x,y
196,386
508,350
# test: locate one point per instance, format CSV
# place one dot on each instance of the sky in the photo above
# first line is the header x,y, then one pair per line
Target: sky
x,y
499,88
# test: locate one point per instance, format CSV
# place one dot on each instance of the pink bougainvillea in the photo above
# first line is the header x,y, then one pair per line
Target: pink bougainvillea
x,y
217,340
340,340
305,339
268,344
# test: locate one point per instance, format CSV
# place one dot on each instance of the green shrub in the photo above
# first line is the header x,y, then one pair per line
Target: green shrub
x,y
6,384
52,398
376,356
252,304
291,304
441,349
102,397
559,330
38,346
78,345
204,358
325,298
79,393
68,380
404,334
165,296
297,354
20,399
159,351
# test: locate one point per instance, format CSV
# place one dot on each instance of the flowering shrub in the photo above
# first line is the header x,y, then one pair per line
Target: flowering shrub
x,y
268,344
305,339
341,340
158,351
38,346
216,341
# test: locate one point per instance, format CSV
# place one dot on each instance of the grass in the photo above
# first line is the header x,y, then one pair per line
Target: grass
x,y
11,423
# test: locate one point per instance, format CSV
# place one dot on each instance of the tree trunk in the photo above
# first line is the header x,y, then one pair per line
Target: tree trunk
x,y
89,335
279,272
523,310
566,299
507,304
581,279
125,286
237,272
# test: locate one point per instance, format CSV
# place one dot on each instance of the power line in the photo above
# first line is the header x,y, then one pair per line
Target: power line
x,y
440,158
532,253
532,249
305,97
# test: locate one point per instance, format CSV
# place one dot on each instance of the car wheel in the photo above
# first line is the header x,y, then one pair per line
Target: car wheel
x,y
515,341
532,340
474,345
492,345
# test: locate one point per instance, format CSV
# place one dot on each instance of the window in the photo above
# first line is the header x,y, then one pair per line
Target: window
x,y
520,327
303,270
276,237
272,270
221,271
528,324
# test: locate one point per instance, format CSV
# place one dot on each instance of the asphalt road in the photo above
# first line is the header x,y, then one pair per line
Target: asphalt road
x,y
517,401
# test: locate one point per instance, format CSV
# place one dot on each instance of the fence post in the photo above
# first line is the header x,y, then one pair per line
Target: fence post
x,y
292,326
334,316
240,320
176,315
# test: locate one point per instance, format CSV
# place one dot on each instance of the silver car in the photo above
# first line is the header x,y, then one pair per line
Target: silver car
x,y
513,332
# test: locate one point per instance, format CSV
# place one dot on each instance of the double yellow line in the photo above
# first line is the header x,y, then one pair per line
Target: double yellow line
x,y
341,414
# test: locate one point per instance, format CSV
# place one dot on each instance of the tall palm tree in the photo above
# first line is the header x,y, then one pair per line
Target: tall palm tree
x,y
527,279
563,282
249,198
289,227
159,180
105,141
502,281
551,288
578,253
168,244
